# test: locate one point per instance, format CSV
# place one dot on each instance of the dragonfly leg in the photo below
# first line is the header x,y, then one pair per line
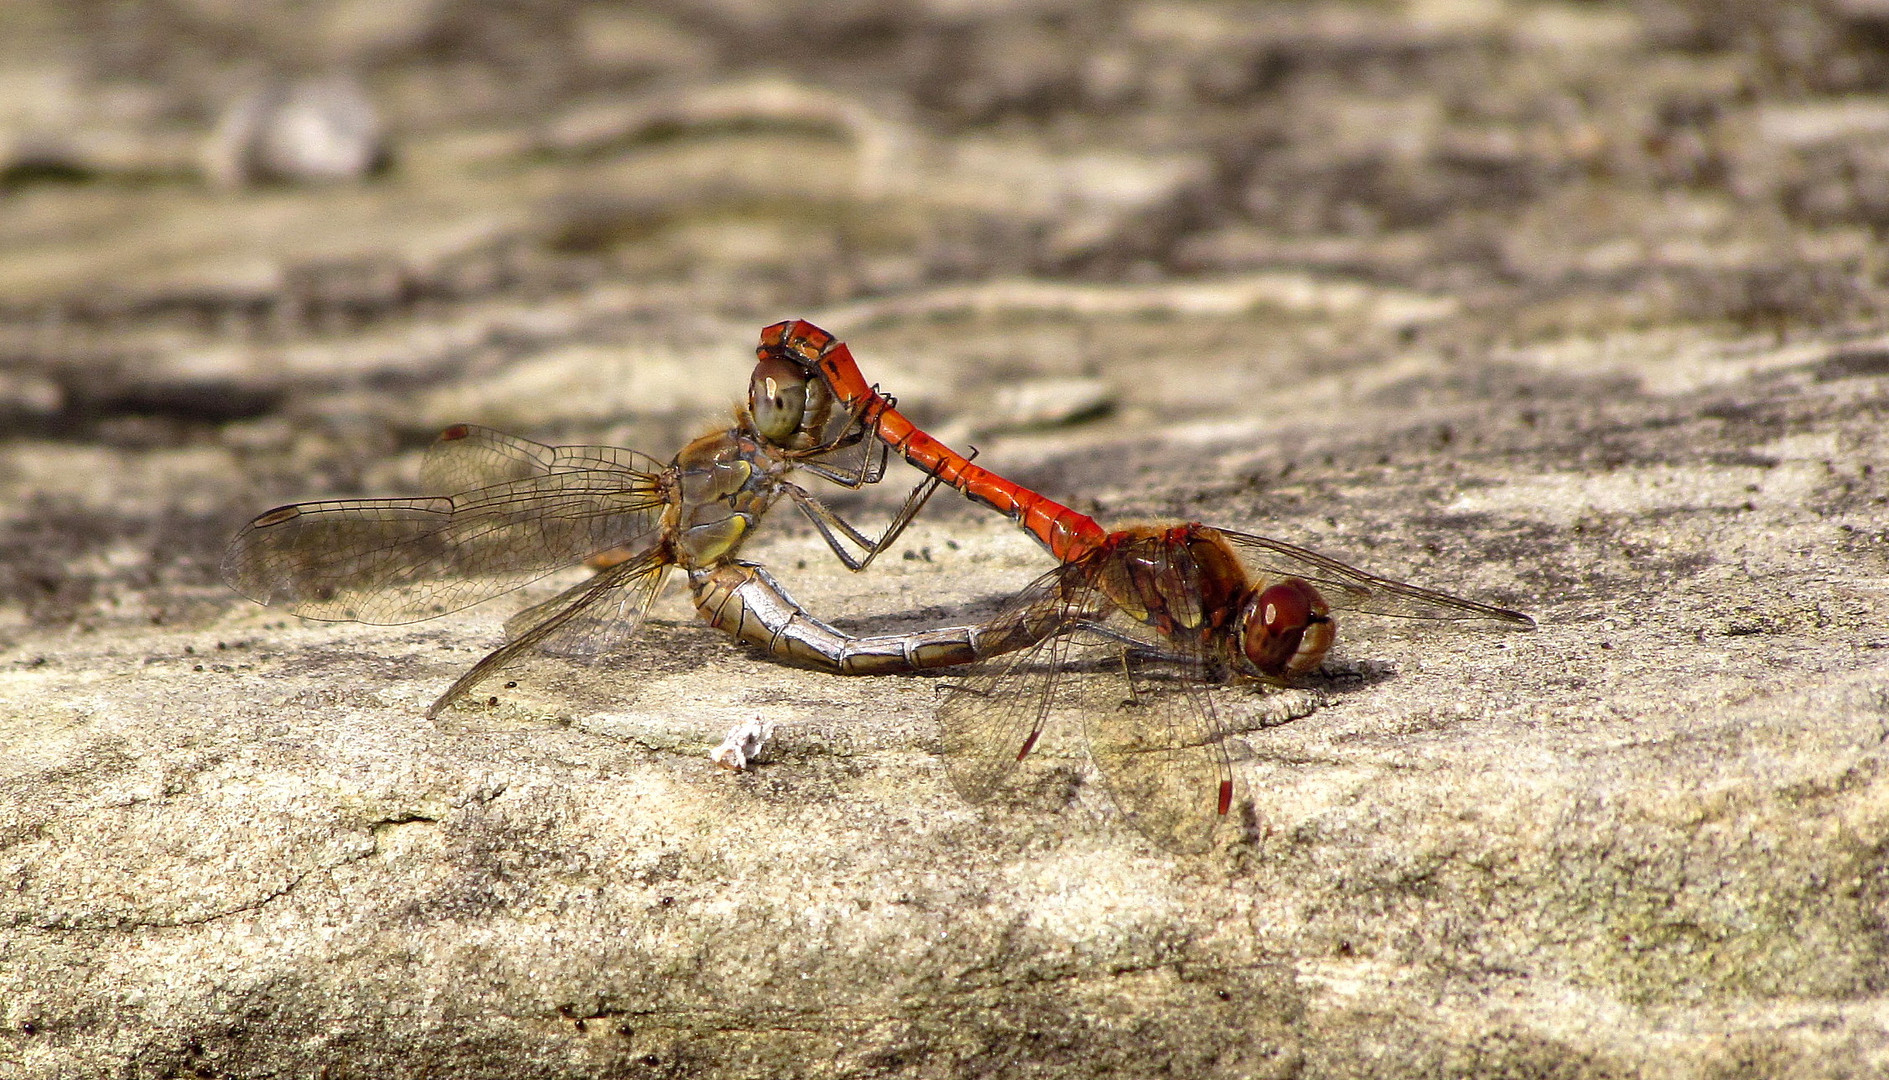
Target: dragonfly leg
x,y
870,470
1128,676
833,527
1135,650
862,423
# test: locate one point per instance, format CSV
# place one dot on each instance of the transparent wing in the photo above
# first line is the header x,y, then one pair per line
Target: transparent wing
x,y
1161,752
990,719
1155,736
1347,587
601,625
466,457
403,560
621,594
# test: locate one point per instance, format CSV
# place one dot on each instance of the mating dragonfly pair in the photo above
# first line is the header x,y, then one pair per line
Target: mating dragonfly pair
x,y
1171,608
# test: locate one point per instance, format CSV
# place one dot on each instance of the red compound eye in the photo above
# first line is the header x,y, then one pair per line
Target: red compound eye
x,y
1286,628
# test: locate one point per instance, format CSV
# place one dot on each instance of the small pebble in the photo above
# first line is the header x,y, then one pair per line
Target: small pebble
x,y
310,131
1047,402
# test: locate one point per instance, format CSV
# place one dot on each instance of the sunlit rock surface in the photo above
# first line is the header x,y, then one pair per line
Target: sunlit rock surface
x,y
1576,308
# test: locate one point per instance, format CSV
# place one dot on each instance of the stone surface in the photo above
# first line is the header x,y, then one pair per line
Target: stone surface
x,y
1577,308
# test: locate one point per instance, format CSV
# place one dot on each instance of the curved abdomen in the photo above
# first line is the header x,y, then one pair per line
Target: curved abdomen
x,y
744,600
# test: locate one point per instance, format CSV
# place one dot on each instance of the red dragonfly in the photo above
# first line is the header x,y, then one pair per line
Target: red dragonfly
x,y
506,511
1172,607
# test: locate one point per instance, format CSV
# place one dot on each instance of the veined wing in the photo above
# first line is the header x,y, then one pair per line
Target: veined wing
x,y
403,560
467,456
601,624
621,594
1347,587
1159,746
1154,734
992,716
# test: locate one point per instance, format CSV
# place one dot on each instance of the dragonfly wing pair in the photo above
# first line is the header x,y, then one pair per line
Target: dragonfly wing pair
x,y
1144,706
509,512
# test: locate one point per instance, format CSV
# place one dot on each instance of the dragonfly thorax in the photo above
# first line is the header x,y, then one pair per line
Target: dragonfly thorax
x,y
724,483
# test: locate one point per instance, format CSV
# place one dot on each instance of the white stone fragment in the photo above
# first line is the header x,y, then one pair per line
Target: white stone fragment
x,y
744,741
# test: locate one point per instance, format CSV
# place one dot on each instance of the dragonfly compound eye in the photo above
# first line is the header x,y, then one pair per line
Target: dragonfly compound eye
x,y
1286,628
777,398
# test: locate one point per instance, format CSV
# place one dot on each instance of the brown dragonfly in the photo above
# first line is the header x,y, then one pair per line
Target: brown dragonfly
x,y
504,511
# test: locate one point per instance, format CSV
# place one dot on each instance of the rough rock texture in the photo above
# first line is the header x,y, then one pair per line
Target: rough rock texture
x,y
1578,307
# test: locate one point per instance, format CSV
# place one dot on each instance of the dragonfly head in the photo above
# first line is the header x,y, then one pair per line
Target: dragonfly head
x,y
789,406
1286,628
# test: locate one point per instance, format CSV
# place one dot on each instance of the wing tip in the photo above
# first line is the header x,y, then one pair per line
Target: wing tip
x,y
277,516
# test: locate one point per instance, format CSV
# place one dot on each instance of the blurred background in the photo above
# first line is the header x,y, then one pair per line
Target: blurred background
x,y
260,251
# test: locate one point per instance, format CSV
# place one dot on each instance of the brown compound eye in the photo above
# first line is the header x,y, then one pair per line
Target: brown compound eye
x,y
1286,628
777,399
